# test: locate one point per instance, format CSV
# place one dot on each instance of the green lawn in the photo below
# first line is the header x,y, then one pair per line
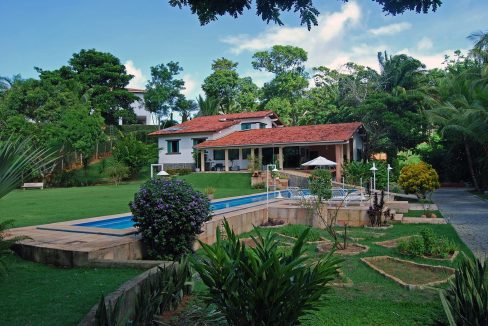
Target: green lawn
x,y
374,299
418,213
32,207
37,294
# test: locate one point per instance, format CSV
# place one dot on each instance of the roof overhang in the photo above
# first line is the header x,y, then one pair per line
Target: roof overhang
x,y
289,144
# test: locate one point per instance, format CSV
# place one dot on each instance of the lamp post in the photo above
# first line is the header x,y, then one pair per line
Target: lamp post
x,y
388,169
274,169
374,169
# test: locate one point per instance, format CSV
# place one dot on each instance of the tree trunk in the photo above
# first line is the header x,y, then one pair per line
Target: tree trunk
x,y
470,165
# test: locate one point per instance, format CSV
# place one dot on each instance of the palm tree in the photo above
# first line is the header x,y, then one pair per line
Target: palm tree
x,y
7,82
399,71
480,49
207,106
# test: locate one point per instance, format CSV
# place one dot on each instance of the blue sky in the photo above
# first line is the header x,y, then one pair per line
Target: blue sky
x,y
148,32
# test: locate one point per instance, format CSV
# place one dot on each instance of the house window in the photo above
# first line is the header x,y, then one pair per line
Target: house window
x,y
262,125
246,152
246,125
219,154
233,154
197,141
173,146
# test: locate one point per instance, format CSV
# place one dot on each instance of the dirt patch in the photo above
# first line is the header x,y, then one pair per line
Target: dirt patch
x,y
393,242
409,274
451,257
351,249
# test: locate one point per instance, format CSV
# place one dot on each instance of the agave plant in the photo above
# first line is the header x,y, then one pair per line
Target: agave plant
x,y
466,300
263,285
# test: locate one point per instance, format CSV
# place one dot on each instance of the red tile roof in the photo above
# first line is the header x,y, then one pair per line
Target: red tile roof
x,y
339,132
211,123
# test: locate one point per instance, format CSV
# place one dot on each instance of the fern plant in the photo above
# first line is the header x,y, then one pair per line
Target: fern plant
x,y
263,285
466,300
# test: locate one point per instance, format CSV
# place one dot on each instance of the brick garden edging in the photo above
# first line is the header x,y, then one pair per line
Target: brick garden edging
x,y
368,260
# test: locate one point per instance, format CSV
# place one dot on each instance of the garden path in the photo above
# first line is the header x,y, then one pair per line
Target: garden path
x,y
469,216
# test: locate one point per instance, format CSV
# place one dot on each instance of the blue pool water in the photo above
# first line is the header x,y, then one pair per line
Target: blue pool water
x,y
125,222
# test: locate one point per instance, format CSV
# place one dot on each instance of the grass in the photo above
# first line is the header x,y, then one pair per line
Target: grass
x,y
295,230
419,213
33,207
374,299
37,294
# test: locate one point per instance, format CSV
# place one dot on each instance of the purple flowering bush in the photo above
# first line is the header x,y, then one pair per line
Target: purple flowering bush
x,y
169,215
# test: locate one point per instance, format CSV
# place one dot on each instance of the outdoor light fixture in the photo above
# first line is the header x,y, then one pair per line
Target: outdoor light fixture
x,y
374,169
388,169
163,173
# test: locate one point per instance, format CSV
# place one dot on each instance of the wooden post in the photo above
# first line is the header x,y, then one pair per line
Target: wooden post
x,y
226,160
202,160
280,157
339,158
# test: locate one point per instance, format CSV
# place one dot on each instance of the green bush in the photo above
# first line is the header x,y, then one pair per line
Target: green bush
x,y
466,299
117,171
180,171
169,215
419,179
428,244
263,285
354,171
320,184
134,153
259,185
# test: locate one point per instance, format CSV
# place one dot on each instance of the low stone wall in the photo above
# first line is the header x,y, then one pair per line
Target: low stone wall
x,y
295,180
398,206
294,214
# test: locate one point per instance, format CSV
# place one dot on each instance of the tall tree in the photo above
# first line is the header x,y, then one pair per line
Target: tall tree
x,y
233,92
185,107
270,10
290,81
399,71
207,106
163,91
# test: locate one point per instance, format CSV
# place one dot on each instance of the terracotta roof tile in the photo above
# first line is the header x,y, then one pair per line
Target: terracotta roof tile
x,y
299,134
211,123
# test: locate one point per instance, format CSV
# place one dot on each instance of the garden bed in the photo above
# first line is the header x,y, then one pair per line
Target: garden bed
x,y
351,249
409,274
393,243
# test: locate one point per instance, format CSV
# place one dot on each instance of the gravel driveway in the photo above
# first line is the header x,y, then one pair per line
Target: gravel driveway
x,y
469,216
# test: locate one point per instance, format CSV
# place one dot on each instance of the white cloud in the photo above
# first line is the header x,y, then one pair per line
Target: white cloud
x,y
390,29
190,85
433,60
139,80
425,44
331,26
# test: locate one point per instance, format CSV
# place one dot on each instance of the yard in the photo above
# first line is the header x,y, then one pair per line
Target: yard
x,y
33,207
374,299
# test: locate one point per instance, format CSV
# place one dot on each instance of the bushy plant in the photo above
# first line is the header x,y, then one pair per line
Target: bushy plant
x,y
134,153
259,185
354,171
428,244
169,215
419,179
320,184
466,299
261,285
117,171
180,171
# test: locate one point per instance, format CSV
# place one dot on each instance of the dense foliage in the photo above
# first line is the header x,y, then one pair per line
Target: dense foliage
x,y
355,171
169,215
270,11
134,153
419,179
263,285
466,300
427,244
320,184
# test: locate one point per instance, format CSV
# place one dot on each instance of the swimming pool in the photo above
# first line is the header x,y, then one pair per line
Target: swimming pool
x,y
125,222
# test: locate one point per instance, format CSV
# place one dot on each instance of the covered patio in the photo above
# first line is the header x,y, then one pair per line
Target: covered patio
x,y
287,147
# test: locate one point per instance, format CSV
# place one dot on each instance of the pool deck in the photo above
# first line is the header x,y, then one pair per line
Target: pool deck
x,y
65,244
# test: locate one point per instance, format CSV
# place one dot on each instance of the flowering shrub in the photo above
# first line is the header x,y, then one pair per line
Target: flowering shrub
x,y
169,214
419,179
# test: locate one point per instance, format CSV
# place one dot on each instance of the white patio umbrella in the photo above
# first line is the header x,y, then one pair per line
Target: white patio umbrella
x,y
320,161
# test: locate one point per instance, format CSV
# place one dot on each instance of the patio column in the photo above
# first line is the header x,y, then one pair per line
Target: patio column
x,y
226,159
348,152
339,158
240,158
260,156
202,160
280,157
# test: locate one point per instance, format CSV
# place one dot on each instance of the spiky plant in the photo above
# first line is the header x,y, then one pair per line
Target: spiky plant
x,y
263,285
466,300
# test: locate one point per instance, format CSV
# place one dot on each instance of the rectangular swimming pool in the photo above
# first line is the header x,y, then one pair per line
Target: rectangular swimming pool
x,y
125,222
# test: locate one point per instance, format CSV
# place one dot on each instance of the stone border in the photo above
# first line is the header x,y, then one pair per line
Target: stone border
x,y
389,226
128,291
307,242
381,243
337,252
423,220
450,259
368,261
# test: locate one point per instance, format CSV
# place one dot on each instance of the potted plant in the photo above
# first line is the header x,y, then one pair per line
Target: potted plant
x,y
210,191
